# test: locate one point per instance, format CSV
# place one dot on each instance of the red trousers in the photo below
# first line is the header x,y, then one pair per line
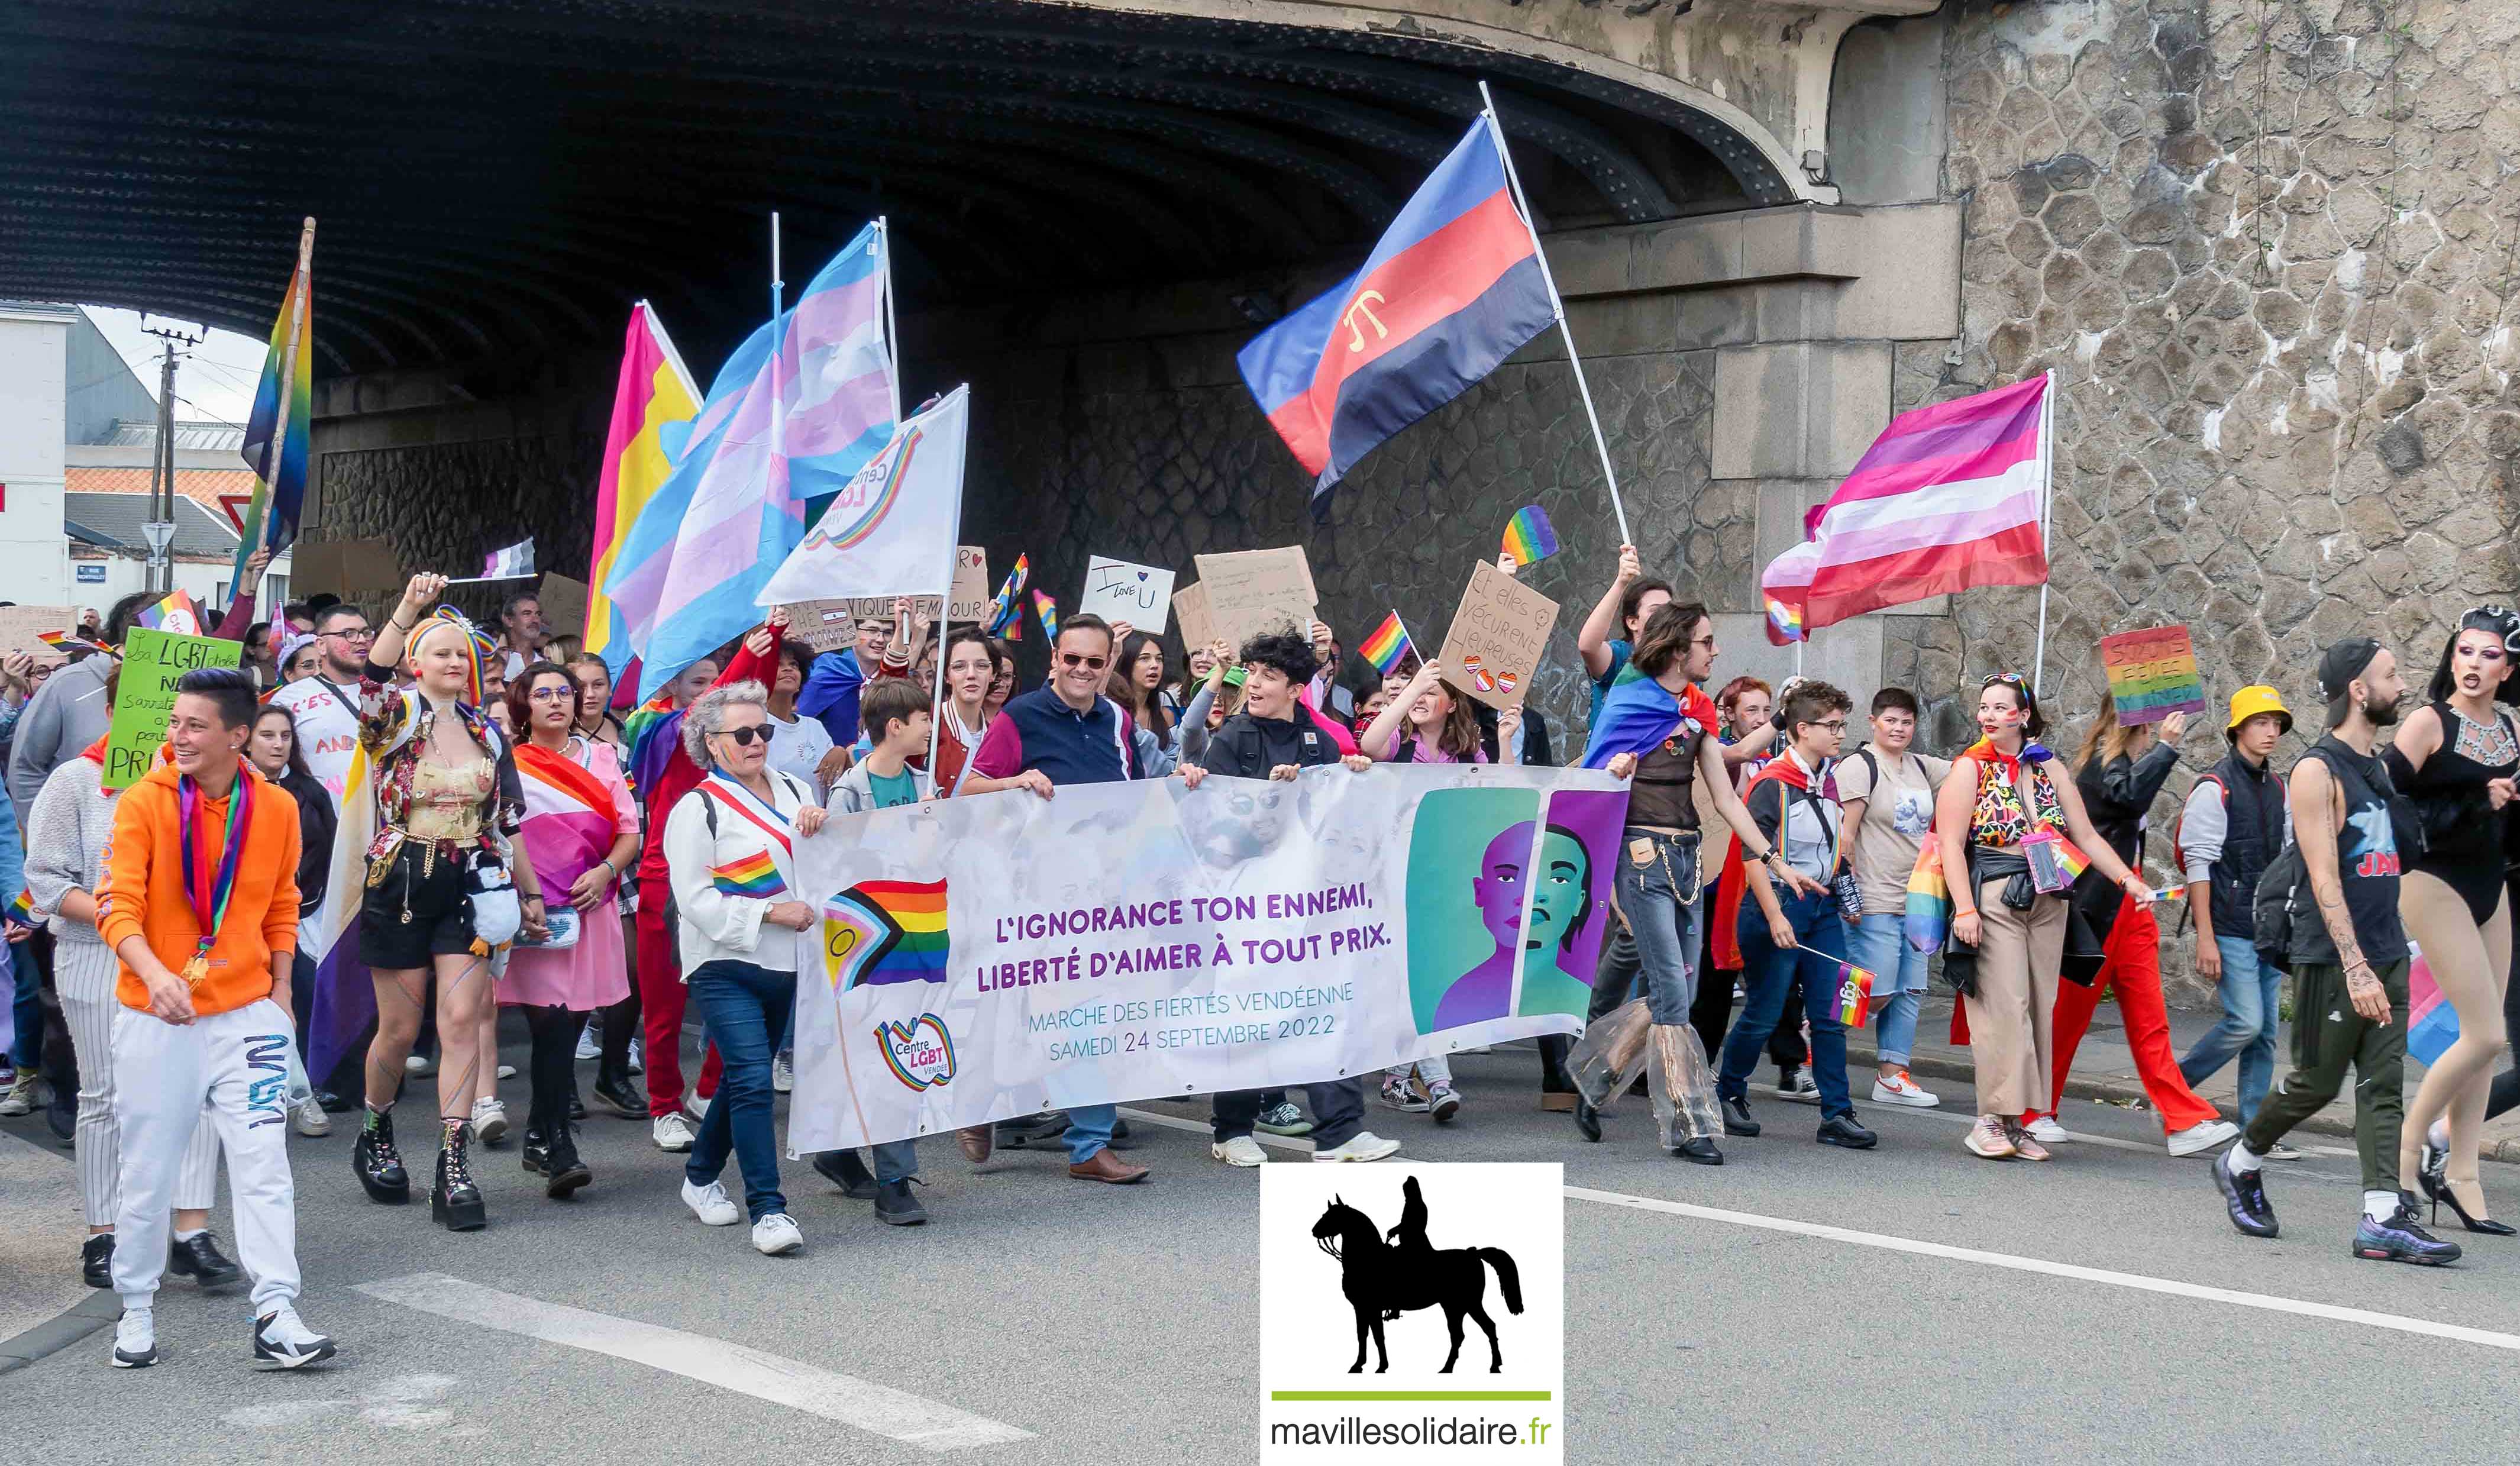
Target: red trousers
x,y
661,999
2131,961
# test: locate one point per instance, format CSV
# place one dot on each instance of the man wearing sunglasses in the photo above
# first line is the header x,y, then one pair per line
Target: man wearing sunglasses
x,y
1067,732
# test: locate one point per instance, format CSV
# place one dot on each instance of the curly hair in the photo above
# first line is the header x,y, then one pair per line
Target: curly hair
x,y
708,714
1288,653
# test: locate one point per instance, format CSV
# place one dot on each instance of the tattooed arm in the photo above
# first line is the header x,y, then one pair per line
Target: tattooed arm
x,y
2318,809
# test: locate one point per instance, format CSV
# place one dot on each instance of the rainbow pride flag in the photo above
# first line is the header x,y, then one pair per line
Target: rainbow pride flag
x,y
1528,537
883,931
21,909
755,876
1388,646
1854,994
283,404
1928,917
1048,609
1784,622
176,615
655,393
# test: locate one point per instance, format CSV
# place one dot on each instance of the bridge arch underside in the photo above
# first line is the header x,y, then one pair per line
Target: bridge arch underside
x,y
494,180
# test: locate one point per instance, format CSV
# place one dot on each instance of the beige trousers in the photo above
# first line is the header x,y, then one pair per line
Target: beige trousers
x,y
2471,964
2011,1018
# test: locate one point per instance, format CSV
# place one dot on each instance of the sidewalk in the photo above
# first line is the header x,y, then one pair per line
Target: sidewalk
x,y
2104,1070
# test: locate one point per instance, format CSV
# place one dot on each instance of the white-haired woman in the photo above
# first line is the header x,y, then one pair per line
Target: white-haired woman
x,y
729,855
447,804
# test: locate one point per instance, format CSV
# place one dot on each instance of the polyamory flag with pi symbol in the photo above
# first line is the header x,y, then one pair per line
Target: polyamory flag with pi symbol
x,y
1452,290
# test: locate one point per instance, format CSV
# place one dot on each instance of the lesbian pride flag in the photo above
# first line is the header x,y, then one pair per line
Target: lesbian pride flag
x,y
1452,288
1947,497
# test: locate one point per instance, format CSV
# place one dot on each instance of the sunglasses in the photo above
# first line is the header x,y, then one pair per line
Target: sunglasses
x,y
743,737
1079,658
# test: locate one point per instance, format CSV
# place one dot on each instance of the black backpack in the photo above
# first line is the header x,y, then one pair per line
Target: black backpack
x,y
2271,910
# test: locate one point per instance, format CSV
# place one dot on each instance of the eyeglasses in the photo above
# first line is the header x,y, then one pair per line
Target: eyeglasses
x,y
1703,641
353,633
551,695
1836,725
745,737
1079,658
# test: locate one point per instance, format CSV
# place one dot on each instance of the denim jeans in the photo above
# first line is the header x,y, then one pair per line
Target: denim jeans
x,y
1658,895
744,1008
2252,1009
1089,1129
1767,972
1879,945
26,999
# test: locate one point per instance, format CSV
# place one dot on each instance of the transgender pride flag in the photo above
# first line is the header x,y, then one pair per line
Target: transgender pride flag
x,y
1947,497
794,414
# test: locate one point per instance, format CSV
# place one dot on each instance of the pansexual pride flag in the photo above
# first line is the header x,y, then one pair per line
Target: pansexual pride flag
x,y
1947,497
283,403
1528,537
1006,610
880,932
655,392
1388,646
1452,288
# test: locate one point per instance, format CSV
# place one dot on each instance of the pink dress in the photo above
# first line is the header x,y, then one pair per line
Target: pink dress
x,y
576,804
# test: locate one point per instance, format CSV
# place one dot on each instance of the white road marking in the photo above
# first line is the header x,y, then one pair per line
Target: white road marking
x,y
2172,1286
879,1409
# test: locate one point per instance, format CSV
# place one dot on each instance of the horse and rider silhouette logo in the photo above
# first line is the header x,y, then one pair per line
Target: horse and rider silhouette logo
x,y
1386,1275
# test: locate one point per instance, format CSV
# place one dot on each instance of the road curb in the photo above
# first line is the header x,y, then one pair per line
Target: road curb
x,y
94,1313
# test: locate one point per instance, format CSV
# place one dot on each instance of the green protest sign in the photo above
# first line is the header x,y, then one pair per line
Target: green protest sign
x,y
152,661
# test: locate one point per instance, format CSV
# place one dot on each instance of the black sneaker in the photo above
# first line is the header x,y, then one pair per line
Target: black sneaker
x,y
1588,1121
2400,1240
1698,1150
2244,1197
1737,1118
96,1261
199,1257
894,1206
1842,1130
844,1169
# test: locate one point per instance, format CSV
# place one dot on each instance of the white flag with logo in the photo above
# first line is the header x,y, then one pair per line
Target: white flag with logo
x,y
891,530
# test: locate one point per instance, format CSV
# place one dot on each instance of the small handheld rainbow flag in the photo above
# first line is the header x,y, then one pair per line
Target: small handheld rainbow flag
x,y
22,910
1784,622
755,875
1048,609
1388,646
1528,537
2054,862
176,615
1006,612
1854,994
1927,918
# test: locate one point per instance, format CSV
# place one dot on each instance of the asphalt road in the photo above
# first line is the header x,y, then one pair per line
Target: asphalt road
x,y
1118,1325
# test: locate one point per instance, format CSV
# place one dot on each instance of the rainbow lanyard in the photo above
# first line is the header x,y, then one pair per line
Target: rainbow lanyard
x,y
211,901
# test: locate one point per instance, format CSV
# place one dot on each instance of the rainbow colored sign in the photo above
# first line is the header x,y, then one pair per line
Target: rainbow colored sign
x,y
2152,673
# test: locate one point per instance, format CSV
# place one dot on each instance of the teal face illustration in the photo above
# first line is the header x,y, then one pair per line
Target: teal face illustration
x,y
1565,883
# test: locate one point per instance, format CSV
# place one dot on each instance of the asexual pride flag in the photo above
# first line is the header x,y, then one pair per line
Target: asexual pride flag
x,y
1947,497
1451,291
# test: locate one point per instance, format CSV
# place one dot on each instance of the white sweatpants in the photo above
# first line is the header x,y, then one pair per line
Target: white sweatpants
x,y
84,975
234,1069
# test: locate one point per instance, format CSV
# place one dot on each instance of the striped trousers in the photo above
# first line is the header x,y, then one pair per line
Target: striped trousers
x,y
84,972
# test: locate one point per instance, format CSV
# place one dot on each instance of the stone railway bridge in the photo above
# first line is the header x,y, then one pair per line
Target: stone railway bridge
x,y
2268,247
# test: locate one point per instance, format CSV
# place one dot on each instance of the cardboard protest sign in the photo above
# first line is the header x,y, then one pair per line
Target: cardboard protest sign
x,y
1251,591
1190,609
1118,591
971,595
152,661
2152,673
1497,637
564,603
821,626
348,567
21,626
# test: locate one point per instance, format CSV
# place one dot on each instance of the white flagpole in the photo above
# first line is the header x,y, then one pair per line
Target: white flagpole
x,y
778,350
1557,307
893,338
945,597
2046,498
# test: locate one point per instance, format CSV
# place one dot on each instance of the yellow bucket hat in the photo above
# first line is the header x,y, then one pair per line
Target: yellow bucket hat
x,y
2249,701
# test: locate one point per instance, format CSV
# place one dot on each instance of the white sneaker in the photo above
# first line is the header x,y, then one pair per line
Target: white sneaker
x,y
489,1119
309,1119
694,1106
1241,1150
1363,1145
709,1204
19,1098
2202,1137
420,1064
135,1339
671,1133
782,1074
2046,1132
632,1066
589,1045
1901,1089
2281,1152
776,1234
282,1341
506,1071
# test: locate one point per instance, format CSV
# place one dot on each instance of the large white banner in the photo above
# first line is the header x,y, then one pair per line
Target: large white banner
x,y
988,957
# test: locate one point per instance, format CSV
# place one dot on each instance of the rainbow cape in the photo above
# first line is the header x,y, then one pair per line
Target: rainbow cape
x,y
1528,537
883,932
1639,712
1388,646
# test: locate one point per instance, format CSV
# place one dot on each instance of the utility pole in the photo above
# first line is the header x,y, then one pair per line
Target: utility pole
x,y
160,525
